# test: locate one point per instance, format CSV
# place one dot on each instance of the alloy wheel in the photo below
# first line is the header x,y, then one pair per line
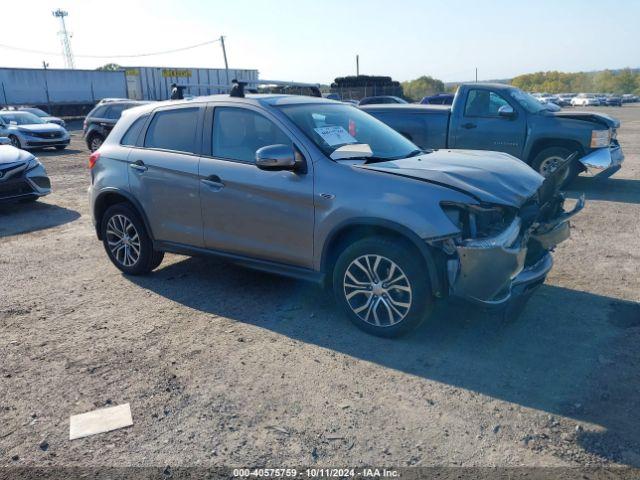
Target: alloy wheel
x,y
96,143
377,290
14,141
550,165
123,240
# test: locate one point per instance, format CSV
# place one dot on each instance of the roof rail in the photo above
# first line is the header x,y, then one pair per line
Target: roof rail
x,y
253,84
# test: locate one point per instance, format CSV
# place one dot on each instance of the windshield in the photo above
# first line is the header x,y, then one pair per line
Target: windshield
x,y
331,126
21,118
530,103
36,111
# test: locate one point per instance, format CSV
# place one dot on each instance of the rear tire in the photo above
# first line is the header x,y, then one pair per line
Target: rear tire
x,y
95,142
381,287
127,242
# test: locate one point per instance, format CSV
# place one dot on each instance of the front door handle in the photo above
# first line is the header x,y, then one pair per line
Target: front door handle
x,y
469,125
214,182
139,166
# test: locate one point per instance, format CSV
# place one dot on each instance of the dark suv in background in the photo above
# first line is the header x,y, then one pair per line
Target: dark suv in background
x,y
101,120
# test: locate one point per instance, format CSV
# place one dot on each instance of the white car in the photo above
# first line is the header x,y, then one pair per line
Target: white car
x,y
585,100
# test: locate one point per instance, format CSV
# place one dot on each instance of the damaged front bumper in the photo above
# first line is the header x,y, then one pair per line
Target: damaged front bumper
x,y
603,162
492,271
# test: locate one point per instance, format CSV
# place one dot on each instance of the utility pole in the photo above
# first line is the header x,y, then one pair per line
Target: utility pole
x,y
476,74
64,38
45,65
357,65
226,64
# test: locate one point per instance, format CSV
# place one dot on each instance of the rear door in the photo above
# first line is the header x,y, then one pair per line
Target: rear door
x,y
480,127
163,174
267,215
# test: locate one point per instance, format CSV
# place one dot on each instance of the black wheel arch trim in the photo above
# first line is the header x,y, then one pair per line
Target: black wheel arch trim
x,y
401,230
131,199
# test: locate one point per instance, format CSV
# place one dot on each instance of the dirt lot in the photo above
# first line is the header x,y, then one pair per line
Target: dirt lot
x,y
226,366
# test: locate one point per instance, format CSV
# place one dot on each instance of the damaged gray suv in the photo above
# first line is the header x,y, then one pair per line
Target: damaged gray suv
x,y
322,191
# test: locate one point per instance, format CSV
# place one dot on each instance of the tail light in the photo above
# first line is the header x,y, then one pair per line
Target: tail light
x,y
95,156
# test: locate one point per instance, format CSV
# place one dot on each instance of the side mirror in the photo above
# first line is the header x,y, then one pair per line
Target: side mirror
x,y
276,157
506,111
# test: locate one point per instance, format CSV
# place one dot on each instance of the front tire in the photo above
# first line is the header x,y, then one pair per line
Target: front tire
x,y
127,242
547,161
381,287
15,141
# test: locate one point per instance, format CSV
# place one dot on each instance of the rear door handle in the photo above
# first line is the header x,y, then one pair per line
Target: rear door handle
x,y
469,125
214,182
139,166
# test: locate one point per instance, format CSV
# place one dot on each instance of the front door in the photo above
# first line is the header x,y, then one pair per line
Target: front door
x,y
481,127
267,215
163,175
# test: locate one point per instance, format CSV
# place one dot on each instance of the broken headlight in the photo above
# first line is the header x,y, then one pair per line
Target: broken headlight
x,y
478,221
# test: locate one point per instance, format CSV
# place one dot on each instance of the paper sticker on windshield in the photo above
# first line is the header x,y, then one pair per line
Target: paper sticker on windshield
x,y
335,135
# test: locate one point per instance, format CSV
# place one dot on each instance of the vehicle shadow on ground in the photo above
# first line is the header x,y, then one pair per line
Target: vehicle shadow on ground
x,y
559,357
608,189
17,218
56,153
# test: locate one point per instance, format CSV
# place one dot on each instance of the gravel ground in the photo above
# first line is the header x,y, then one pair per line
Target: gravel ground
x,y
226,366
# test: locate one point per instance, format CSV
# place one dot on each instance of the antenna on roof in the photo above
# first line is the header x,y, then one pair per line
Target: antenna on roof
x,y
237,89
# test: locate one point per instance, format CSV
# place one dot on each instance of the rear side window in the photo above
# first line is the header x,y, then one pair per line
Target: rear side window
x,y
131,137
98,112
173,130
238,133
114,111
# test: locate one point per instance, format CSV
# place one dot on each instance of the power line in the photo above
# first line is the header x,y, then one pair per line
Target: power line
x,y
40,52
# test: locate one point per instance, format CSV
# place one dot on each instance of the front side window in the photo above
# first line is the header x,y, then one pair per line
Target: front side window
x,y
173,130
331,126
239,132
483,103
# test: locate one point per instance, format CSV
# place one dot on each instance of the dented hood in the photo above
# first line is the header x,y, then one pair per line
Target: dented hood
x,y
592,117
491,177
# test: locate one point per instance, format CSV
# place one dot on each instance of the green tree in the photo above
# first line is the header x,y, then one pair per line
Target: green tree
x,y
110,67
421,87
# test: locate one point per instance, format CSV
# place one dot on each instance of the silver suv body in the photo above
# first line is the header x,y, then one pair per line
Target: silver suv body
x,y
320,190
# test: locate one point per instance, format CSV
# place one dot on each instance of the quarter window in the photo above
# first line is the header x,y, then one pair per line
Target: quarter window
x,y
131,137
483,103
173,130
239,132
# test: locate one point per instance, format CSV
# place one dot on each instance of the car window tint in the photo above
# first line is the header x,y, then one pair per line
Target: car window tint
x,y
131,137
114,111
173,130
238,133
98,112
483,103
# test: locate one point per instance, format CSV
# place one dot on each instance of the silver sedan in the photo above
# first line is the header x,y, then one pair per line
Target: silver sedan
x,y
27,131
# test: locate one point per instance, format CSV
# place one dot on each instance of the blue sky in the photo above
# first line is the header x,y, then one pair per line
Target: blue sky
x,y
317,40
